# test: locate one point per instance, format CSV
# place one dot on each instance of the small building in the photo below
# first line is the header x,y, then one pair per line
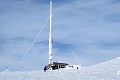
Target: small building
x,y
56,65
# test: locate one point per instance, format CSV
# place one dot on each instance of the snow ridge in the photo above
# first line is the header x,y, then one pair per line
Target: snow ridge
x,y
109,70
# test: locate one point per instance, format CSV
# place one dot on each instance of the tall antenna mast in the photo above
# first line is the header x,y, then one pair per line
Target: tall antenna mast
x,y
50,35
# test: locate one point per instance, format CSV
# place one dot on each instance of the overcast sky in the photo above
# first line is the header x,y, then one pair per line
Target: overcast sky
x,y
91,27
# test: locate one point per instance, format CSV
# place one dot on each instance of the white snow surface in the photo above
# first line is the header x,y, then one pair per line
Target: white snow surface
x,y
109,70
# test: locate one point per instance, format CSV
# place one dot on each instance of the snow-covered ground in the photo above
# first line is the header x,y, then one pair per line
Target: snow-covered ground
x,y
109,70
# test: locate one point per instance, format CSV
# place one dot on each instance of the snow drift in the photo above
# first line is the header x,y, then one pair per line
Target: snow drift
x,y
109,70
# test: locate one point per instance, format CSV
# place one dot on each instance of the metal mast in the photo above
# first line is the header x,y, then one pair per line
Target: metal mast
x,y
50,35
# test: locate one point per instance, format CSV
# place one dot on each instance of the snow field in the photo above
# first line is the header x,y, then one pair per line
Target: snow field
x,y
109,70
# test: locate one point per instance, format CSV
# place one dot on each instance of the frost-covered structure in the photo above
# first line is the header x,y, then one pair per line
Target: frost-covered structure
x,y
55,65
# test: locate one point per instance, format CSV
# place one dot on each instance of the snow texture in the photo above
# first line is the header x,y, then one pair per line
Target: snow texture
x,y
109,70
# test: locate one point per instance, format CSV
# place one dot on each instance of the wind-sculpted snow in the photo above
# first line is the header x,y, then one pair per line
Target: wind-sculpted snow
x,y
109,70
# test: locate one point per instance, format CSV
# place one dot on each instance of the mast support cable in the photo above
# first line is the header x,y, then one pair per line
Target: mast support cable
x,y
31,44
